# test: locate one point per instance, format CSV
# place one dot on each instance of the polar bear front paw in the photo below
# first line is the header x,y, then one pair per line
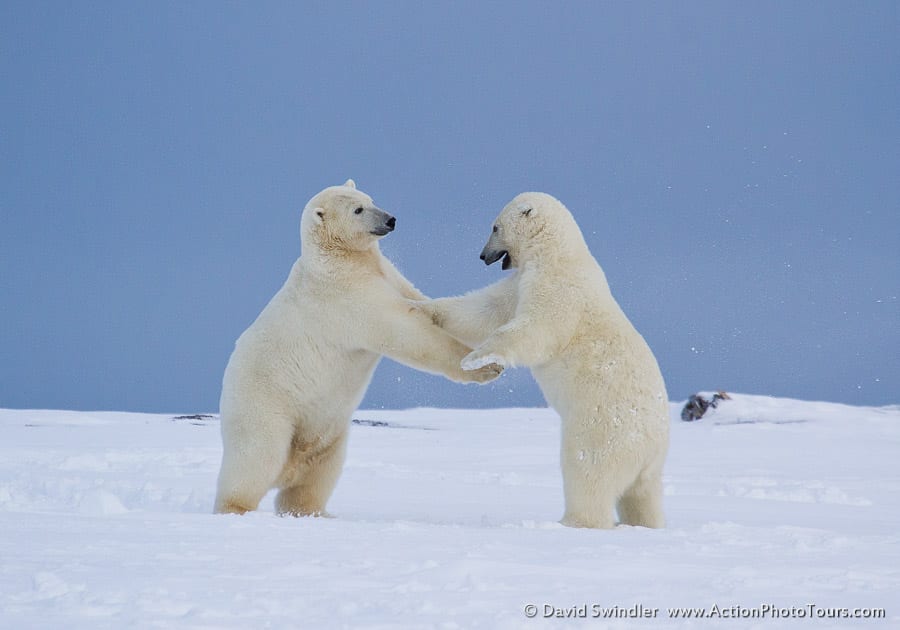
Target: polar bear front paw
x,y
484,374
474,361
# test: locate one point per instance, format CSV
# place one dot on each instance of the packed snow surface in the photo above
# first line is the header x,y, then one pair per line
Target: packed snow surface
x,y
781,513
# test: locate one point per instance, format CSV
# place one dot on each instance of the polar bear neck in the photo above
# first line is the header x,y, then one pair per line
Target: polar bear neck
x,y
334,255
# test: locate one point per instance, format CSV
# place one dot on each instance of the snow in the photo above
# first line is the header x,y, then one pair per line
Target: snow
x,y
447,519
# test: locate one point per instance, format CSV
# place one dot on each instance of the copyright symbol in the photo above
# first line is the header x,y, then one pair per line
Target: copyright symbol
x,y
530,611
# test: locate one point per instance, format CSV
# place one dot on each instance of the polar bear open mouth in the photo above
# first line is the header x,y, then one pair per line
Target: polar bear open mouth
x,y
507,261
492,257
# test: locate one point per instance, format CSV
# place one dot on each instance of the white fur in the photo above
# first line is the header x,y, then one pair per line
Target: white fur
x,y
300,370
556,315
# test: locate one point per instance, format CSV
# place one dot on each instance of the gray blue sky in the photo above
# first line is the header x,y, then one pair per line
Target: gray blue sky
x,y
734,167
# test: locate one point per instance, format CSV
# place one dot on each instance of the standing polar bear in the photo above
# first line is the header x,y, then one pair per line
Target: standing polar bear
x,y
301,369
556,315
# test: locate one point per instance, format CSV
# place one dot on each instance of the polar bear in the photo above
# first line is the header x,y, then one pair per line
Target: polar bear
x,y
300,370
556,315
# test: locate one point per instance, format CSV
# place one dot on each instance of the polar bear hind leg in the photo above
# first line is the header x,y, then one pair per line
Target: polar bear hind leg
x,y
310,477
249,470
589,501
642,503
597,483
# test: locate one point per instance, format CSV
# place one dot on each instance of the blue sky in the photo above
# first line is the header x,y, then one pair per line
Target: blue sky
x,y
734,167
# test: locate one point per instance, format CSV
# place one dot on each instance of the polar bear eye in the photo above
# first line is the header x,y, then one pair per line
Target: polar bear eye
x,y
494,230
358,210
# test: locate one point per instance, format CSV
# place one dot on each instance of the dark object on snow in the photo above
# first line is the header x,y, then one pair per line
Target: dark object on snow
x,y
196,416
371,423
697,405
389,425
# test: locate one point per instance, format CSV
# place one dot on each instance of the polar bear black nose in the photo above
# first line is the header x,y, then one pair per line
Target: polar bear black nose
x,y
391,222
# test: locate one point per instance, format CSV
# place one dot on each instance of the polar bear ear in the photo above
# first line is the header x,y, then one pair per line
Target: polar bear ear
x,y
350,184
526,211
320,212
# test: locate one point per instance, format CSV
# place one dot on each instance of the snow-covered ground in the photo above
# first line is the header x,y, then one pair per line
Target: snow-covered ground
x,y
447,519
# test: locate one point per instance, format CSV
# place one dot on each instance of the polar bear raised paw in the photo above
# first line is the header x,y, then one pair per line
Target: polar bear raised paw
x,y
474,361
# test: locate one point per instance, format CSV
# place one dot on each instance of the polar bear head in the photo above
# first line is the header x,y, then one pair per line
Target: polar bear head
x,y
342,217
532,225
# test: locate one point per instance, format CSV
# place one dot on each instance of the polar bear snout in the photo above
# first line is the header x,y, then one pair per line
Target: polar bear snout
x,y
493,255
494,250
385,223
